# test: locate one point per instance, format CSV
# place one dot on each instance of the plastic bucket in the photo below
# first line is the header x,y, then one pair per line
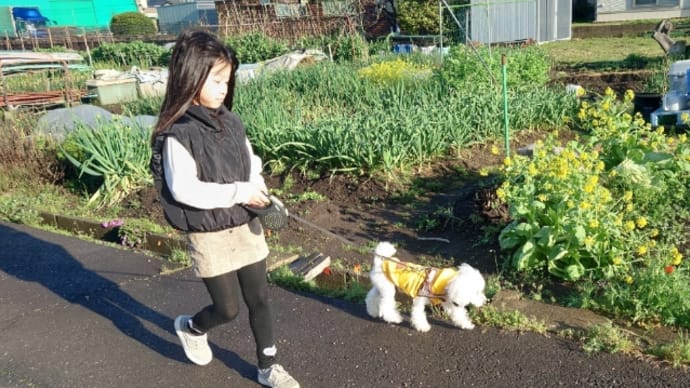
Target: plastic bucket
x,y
646,103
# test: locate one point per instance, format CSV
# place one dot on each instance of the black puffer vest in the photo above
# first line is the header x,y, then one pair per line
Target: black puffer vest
x,y
216,141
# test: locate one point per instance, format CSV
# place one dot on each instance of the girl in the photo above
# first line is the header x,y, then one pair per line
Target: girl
x,y
205,172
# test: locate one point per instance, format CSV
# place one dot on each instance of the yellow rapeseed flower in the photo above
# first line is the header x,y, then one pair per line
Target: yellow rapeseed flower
x,y
654,232
642,250
589,241
641,222
628,279
593,223
617,260
604,195
677,258
628,196
501,194
684,117
629,225
495,150
629,95
609,92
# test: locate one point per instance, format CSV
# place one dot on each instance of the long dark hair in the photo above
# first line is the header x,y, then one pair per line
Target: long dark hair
x,y
193,56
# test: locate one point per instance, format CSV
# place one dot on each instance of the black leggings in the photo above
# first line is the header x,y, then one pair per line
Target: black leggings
x,y
225,290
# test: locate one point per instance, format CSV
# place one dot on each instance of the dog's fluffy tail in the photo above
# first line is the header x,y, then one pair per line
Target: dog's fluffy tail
x,y
385,249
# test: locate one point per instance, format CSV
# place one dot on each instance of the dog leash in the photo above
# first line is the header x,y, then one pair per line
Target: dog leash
x,y
321,229
275,216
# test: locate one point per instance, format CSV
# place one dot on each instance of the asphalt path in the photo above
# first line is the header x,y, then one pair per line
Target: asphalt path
x,y
82,314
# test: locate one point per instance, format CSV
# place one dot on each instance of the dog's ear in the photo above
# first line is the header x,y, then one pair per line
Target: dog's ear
x,y
385,249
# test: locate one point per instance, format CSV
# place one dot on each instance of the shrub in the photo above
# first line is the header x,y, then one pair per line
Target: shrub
x,y
131,24
418,17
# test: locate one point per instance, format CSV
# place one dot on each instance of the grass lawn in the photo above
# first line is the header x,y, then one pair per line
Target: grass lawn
x,y
605,51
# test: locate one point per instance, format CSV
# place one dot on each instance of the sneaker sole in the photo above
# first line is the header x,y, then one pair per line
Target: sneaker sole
x,y
179,331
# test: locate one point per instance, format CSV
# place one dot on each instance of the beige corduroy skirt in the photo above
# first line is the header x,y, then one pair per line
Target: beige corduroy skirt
x,y
217,253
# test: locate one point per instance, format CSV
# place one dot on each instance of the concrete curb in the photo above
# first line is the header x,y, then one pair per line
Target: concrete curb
x,y
161,244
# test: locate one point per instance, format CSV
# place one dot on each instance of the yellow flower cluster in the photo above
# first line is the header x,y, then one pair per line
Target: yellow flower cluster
x,y
390,71
676,256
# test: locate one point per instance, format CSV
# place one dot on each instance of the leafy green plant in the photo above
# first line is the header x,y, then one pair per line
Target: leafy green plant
x,y
119,154
509,320
143,106
593,212
14,210
256,47
609,338
676,352
352,291
526,67
133,232
135,53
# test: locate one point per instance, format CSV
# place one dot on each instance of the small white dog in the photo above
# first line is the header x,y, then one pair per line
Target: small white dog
x,y
452,288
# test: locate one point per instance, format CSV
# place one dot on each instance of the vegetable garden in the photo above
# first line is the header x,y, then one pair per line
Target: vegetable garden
x,y
605,214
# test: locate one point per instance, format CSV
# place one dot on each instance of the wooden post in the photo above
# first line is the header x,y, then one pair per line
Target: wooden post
x,y
68,97
4,87
86,44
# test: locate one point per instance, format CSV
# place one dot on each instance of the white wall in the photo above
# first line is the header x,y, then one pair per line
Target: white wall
x,y
619,10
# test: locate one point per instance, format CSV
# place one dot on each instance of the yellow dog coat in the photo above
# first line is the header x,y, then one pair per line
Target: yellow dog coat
x,y
418,280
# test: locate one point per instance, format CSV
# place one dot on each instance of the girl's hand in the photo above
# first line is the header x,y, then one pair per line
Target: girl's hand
x,y
258,199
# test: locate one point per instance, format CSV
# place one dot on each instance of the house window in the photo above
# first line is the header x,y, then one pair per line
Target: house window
x,y
661,3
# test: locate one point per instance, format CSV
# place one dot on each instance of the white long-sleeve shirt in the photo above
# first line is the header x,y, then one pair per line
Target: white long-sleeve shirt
x,y
184,184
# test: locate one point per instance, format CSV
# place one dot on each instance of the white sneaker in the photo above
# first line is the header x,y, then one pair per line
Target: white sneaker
x,y
276,377
195,346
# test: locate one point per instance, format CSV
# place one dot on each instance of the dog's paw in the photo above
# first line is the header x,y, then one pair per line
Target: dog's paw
x,y
391,317
466,325
421,326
